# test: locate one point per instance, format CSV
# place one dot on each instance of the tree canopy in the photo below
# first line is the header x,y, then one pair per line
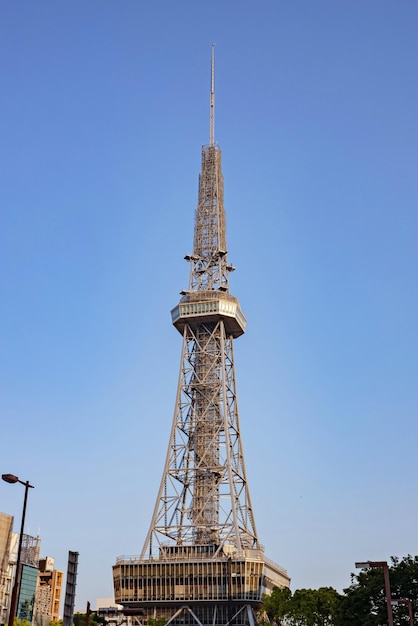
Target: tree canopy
x,y
361,604
306,607
364,602
79,619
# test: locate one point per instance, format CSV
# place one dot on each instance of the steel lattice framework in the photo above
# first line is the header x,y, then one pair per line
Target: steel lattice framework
x,y
204,497
202,562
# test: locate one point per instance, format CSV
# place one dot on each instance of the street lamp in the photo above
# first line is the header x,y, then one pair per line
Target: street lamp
x,y
11,478
385,568
407,601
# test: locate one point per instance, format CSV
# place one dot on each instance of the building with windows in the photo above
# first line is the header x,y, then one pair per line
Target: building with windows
x,y
29,572
29,559
41,584
6,525
27,593
109,611
48,592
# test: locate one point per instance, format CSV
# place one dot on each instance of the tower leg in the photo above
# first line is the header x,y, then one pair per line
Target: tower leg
x,y
250,615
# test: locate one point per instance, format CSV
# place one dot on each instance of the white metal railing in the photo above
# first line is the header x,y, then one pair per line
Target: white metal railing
x,y
274,565
254,555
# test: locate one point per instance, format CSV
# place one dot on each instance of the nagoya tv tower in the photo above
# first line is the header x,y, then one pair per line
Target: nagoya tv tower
x,y
202,562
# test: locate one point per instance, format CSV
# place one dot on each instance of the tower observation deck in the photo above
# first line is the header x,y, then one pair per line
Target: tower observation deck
x,y
202,562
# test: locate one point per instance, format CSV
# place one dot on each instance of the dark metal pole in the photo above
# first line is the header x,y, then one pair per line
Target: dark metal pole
x,y
411,616
88,611
18,575
409,603
388,596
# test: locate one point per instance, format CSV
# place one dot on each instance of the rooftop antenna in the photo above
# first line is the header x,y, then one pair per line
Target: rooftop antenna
x,y
212,99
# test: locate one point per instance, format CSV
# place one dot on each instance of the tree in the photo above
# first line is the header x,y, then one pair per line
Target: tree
x,y
314,607
303,608
306,607
327,605
277,605
79,619
364,602
156,621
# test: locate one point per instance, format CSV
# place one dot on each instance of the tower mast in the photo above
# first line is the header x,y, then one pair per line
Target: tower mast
x,y
202,555
212,99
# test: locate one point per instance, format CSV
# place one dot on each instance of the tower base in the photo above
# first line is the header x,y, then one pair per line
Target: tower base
x,y
196,585
197,615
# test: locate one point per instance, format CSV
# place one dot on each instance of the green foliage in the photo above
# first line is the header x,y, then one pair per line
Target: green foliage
x,y
306,607
79,619
277,605
364,602
160,621
21,622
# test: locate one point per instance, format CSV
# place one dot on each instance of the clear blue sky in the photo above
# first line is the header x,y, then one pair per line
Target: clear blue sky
x,y
104,109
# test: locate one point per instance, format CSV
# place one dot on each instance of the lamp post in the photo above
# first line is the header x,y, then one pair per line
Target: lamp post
x,y
11,478
407,601
385,568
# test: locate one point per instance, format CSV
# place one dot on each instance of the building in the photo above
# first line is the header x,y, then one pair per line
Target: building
x,y
48,592
28,574
70,588
27,592
6,527
40,584
109,611
29,563
202,562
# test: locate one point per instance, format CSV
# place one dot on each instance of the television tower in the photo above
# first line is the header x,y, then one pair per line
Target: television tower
x,y
202,562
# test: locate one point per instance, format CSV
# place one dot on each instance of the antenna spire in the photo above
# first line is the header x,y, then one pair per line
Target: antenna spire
x,y
212,99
